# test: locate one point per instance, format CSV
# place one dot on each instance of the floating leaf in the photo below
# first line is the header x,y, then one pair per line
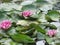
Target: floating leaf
x,y
29,7
50,25
39,3
40,36
6,0
28,2
48,39
54,15
22,38
38,28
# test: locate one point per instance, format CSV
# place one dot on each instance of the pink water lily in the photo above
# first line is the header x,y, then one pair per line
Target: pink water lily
x,y
5,24
27,13
51,33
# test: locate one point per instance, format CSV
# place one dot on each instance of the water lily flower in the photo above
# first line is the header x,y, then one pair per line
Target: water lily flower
x,y
5,24
51,33
27,13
